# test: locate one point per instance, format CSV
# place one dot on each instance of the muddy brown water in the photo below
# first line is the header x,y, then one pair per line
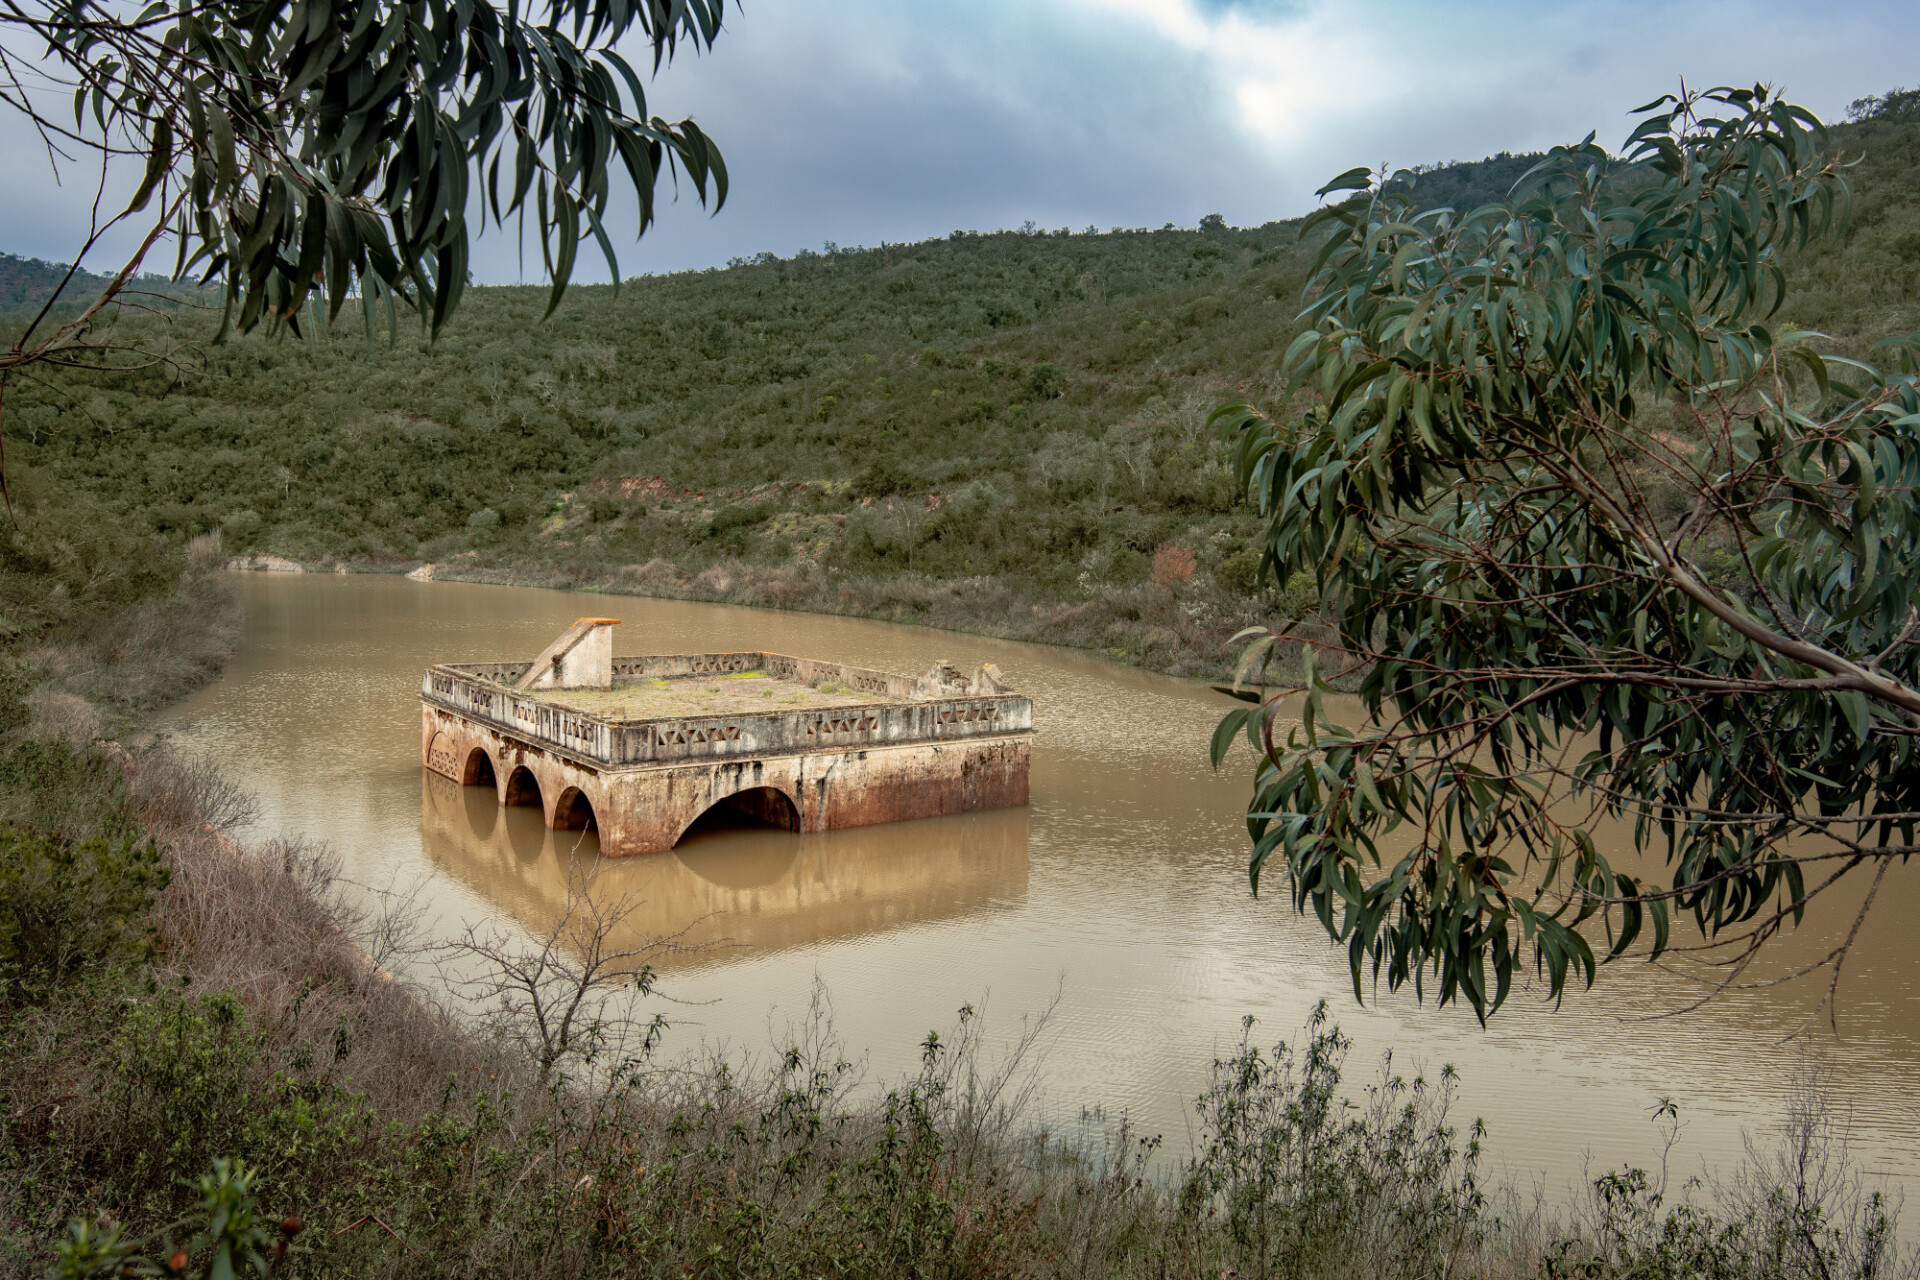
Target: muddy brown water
x,y
1122,887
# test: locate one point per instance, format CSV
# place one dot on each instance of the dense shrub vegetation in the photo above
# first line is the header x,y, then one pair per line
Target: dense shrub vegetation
x,y
990,431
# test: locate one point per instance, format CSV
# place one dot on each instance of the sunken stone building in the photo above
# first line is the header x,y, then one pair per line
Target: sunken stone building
x,y
640,747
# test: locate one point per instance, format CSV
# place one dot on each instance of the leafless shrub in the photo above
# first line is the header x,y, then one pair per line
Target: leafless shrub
x,y
266,923
64,717
205,548
1795,1208
984,1100
569,991
388,924
176,792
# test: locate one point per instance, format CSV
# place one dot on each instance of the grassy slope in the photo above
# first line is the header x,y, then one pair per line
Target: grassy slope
x,y
98,613
994,433
1051,392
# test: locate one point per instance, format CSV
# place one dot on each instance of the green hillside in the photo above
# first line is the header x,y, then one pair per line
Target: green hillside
x,y
26,283
995,432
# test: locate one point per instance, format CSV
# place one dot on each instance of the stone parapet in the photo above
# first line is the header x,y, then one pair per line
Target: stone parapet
x,y
481,691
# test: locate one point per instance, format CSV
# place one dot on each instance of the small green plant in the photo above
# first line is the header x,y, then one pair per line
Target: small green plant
x,y
180,1079
55,789
1797,1210
1298,1174
223,1235
882,478
14,687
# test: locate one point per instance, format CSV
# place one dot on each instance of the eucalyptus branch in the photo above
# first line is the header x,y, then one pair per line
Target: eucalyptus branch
x,y
326,149
1466,469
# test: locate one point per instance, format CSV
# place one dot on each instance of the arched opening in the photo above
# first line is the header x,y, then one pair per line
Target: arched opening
x,y
767,805
478,771
573,812
756,808
521,787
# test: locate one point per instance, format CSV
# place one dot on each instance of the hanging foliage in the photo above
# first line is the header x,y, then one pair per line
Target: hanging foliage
x,y
1595,541
313,151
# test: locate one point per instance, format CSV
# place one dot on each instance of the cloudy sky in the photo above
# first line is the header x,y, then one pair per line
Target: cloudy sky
x,y
858,121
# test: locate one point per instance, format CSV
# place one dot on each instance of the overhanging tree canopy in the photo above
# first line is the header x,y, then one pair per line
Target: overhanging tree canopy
x,y
1594,540
296,149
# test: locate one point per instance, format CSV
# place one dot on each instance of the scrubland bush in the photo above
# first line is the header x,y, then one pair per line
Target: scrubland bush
x,y
1299,1174
1172,565
70,908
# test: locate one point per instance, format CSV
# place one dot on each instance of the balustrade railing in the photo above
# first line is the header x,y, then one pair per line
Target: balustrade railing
x,y
481,691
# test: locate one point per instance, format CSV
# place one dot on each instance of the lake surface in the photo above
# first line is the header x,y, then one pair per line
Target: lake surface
x,y
1123,888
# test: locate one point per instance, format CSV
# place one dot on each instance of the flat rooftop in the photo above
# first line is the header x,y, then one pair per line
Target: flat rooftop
x,y
734,693
652,709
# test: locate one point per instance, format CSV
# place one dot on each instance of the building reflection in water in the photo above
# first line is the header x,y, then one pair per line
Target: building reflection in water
x,y
730,887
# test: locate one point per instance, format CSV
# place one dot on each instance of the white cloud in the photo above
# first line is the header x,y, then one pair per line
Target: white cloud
x,y
1289,76
1330,84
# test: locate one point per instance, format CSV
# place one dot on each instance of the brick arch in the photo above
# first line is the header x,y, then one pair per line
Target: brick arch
x,y
573,811
769,805
523,788
478,770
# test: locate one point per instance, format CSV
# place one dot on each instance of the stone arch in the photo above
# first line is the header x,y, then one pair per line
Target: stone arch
x,y
762,806
478,770
522,788
574,812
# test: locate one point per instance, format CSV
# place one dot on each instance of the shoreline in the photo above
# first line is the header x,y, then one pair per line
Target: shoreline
x,y
929,604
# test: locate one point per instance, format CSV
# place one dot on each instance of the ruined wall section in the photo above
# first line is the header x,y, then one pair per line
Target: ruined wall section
x,y
607,743
937,745
675,666
648,809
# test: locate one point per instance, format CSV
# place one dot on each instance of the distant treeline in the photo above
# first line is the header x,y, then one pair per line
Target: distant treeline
x,y
26,284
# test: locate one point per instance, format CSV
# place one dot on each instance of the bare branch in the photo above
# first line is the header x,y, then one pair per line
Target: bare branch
x,y
567,992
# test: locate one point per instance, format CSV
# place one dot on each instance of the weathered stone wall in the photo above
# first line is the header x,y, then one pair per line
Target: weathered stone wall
x,y
476,692
582,658
647,808
671,666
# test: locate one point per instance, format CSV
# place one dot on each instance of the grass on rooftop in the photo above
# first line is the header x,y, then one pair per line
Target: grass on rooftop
x,y
743,692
